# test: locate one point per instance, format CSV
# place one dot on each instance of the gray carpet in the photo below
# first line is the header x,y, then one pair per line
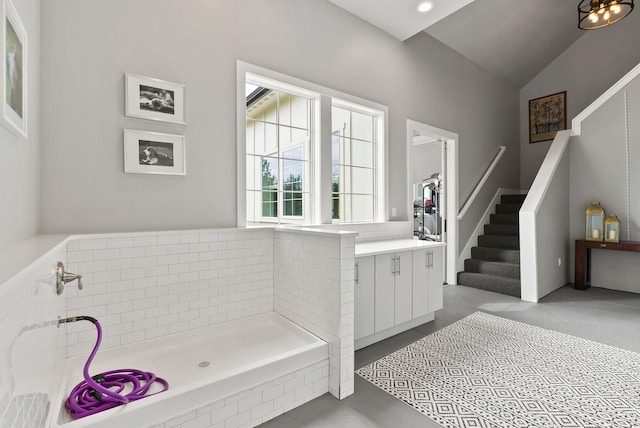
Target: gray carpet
x,y
495,263
487,371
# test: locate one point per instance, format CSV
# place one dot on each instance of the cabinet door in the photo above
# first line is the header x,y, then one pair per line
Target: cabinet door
x,y
436,277
364,295
403,287
421,267
384,291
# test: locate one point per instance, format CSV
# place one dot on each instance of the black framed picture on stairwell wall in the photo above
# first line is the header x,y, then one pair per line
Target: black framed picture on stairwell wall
x,y
547,116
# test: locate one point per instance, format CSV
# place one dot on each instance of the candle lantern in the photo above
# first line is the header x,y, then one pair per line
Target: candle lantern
x,y
595,222
612,229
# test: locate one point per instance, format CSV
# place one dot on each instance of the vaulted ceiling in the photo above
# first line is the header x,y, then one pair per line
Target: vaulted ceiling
x,y
513,40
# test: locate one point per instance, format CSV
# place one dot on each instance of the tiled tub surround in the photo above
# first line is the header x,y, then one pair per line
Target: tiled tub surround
x,y
32,348
148,285
266,361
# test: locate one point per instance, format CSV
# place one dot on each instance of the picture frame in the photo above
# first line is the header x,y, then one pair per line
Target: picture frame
x,y
14,70
154,153
547,116
154,99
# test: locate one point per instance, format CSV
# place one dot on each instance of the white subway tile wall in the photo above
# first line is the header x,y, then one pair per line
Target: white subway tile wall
x,y
31,345
145,285
257,405
141,286
313,287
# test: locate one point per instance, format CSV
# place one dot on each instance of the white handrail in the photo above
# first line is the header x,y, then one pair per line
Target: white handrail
x,y
481,183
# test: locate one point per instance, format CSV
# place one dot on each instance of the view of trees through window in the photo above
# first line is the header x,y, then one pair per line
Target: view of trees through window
x,y
278,155
284,164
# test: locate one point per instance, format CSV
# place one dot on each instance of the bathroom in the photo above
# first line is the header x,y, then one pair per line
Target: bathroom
x,y
64,175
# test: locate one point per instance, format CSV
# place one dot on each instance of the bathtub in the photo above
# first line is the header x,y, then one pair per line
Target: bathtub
x,y
208,370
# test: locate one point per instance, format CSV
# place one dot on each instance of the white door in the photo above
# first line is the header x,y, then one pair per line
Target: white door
x,y
403,287
385,268
421,263
436,279
364,295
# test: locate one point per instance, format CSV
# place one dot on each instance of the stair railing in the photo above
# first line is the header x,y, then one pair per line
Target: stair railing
x,y
481,183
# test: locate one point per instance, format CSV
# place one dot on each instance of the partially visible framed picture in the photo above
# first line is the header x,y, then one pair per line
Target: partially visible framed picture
x,y
154,99
14,48
154,153
547,116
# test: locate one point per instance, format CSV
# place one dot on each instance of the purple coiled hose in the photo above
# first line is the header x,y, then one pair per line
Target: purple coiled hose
x,y
106,390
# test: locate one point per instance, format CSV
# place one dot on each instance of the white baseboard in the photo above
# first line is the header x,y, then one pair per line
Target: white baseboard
x,y
479,230
377,337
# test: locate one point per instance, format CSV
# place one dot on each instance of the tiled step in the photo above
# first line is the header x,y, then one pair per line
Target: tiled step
x,y
499,241
506,270
504,218
497,284
501,229
496,254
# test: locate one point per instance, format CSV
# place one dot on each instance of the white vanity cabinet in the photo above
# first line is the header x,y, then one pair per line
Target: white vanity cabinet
x,y
398,285
428,275
364,294
393,289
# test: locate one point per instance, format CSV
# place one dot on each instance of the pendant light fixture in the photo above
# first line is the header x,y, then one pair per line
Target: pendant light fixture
x,y
594,14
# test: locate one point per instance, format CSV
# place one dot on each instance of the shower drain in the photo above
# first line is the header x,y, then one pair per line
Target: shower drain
x,y
204,364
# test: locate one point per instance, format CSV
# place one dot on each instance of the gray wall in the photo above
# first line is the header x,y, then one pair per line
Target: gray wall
x,y
19,157
89,45
585,70
598,172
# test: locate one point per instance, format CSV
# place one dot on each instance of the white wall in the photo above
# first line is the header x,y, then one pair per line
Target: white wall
x,y
585,70
600,172
198,43
19,157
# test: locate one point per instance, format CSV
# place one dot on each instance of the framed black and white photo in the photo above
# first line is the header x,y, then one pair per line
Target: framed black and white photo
x,y
14,89
153,153
154,99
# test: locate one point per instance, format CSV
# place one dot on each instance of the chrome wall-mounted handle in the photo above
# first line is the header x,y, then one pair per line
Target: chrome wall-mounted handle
x,y
356,278
63,277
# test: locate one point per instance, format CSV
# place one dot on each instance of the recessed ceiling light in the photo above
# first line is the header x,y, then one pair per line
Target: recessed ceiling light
x,y
425,6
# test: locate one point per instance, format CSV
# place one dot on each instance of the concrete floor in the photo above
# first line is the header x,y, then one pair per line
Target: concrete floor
x,y
597,314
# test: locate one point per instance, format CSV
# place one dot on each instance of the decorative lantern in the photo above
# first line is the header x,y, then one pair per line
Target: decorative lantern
x,y
595,222
612,229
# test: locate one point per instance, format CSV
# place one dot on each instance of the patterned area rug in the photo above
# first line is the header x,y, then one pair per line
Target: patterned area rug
x,y
487,371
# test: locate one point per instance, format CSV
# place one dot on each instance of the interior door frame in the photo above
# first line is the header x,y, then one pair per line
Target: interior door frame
x,y
450,177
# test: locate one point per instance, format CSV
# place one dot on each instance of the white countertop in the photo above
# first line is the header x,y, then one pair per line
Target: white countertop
x,y
381,247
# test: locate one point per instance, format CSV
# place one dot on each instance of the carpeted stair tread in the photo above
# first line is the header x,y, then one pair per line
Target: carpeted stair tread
x,y
504,218
501,229
496,284
496,254
506,270
499,241
512,199
508,208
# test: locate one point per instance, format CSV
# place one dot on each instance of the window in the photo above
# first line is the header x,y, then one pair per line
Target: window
x,y
353,160
279,161
307,154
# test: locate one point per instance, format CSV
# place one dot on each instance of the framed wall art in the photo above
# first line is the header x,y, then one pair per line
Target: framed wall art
x,y
154,153
547,116
14,48
154,99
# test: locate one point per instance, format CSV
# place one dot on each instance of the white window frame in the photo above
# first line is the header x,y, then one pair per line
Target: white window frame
x,y
321,160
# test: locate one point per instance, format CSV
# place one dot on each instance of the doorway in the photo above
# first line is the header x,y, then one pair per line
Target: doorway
x,y
432,188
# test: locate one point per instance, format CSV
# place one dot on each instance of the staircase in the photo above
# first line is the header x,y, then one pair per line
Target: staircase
x,y
495,263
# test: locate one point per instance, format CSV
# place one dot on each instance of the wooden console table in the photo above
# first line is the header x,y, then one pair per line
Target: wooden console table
x,y
583,257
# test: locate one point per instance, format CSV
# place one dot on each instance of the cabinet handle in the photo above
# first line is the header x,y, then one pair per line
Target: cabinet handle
x,y
426,259
393,266
430,259
398,265
356,278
